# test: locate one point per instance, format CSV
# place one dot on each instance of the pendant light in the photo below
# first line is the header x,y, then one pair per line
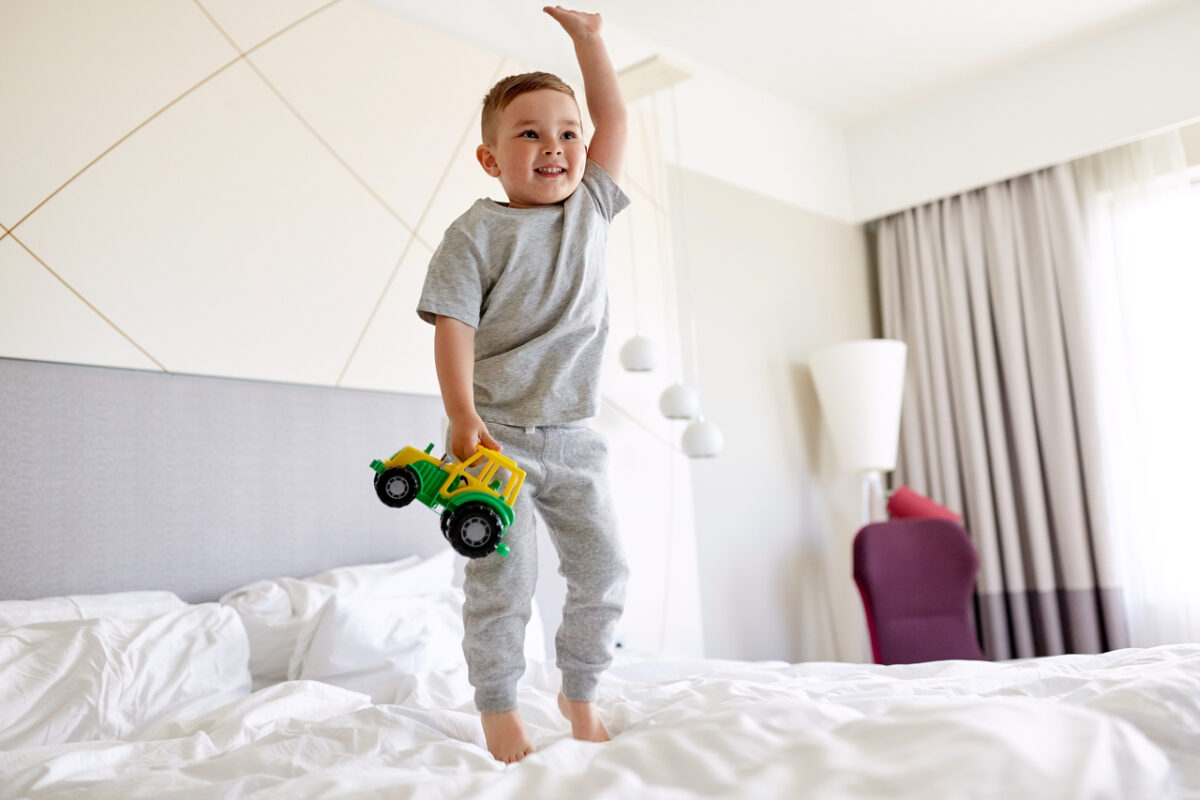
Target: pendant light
x,y
639,354
701,438
680,402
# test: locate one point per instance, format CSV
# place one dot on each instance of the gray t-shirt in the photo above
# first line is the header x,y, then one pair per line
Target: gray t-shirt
x,y
531,282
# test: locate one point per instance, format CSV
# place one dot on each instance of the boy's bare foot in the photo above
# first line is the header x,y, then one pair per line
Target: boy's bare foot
x,y
584,718
506,737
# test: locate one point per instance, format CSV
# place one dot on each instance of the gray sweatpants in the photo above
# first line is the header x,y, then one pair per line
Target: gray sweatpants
x,y
566,480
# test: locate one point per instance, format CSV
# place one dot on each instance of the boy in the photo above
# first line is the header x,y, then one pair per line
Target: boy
x,y
517,294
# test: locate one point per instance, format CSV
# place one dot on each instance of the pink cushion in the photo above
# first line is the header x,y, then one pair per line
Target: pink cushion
x,y
907,504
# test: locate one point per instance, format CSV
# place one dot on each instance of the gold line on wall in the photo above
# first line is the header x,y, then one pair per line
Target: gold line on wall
x,y
144,123
158,113
85,301
337,156
300,117
241,56
277,33
424,213
115,144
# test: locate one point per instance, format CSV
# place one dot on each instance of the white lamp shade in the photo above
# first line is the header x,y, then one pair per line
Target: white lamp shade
x,y
679,402
860,385
702,439
639,354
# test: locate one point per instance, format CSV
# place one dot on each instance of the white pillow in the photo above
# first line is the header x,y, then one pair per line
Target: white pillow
x,y
118,605
276,611
94,679
370,642
359,641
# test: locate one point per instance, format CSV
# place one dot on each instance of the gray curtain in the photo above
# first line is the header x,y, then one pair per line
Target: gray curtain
x,y
999,421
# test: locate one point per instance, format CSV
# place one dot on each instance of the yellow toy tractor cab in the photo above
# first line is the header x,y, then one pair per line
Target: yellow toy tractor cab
x,y
475,497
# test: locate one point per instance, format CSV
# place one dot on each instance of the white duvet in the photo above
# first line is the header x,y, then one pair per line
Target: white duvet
x,y
1120,725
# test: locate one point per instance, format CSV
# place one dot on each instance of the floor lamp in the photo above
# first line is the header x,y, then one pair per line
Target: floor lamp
x,y
860,385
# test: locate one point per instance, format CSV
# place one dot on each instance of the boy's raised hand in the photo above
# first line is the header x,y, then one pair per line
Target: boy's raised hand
x,y
607,109
575,23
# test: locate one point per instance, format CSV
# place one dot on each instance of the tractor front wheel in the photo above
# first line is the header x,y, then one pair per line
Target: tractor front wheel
x,y
473,529
398,486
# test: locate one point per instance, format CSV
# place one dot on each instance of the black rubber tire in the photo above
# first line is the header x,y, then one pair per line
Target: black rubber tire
x,y
474,530
398,486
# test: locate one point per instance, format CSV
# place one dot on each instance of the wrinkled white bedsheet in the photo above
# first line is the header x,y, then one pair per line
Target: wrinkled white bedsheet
x,y
1124,725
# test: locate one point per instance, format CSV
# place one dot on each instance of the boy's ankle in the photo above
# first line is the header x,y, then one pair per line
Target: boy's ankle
x,y
584,717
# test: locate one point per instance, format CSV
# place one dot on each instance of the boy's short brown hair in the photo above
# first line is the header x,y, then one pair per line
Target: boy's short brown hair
x,y
509,89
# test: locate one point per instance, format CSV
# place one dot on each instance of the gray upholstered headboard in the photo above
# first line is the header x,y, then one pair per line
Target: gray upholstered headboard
x,y
115,480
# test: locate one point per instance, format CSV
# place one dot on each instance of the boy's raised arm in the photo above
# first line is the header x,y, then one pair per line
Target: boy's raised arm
x,y
604,102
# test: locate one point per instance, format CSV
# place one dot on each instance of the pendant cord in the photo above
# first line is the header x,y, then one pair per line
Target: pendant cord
x,y
683,251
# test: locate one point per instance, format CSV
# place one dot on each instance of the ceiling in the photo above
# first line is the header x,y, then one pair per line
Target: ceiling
x,y
849,61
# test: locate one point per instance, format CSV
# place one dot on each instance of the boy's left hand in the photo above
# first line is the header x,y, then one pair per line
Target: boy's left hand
x,y
575,23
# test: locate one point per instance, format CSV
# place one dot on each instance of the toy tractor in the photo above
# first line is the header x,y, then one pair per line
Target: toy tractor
x,y
476,506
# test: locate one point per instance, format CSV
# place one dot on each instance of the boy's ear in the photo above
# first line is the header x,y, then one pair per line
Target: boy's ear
x,y
487,160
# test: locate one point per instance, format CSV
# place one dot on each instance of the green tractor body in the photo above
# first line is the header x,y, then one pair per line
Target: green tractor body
x,y
475,503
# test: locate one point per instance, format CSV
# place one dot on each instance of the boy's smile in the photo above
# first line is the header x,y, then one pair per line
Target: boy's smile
x,y
539,153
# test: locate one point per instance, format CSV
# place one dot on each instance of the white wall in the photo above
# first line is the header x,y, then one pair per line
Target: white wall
x,y
774,515
1191,143
747,138
1087,98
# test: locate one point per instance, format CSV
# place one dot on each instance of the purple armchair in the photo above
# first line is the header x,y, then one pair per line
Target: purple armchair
x,y
916,577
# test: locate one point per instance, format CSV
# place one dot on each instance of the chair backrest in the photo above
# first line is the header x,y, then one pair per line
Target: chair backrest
x,y
916,578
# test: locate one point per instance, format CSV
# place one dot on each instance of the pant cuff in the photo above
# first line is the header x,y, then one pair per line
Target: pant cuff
x,y
580,686
495,699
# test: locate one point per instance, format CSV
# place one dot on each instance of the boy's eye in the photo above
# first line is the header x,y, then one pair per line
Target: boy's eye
x,y
569,135
529,134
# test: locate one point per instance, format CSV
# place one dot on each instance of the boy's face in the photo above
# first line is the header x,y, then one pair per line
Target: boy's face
x,y
539,154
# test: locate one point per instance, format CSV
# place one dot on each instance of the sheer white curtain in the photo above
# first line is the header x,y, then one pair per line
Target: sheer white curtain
x,y
1143,295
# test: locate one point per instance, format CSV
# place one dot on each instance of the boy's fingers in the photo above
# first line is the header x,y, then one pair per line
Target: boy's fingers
x,y
464,449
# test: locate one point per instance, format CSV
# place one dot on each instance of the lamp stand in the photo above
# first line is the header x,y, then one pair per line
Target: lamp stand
x,y
874,499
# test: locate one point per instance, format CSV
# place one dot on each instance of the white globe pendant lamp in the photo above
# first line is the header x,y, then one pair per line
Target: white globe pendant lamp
x,y
703,439
680,402
639,354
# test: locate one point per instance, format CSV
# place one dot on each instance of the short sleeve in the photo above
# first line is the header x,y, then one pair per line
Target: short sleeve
x,y
454,282
609,198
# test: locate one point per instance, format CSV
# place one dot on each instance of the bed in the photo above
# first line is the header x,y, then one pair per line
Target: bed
x,y
184,613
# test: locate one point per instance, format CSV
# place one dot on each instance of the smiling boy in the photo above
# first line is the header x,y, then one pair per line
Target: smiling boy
x,y
517,293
